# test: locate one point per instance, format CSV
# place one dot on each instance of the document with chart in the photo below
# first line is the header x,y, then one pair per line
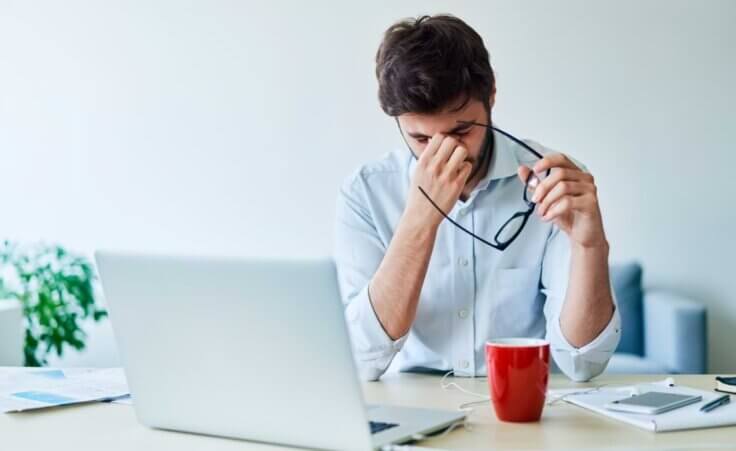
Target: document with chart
x,y
37,388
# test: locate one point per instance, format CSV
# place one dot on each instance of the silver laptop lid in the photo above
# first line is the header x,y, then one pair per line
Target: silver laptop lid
x,y
241,348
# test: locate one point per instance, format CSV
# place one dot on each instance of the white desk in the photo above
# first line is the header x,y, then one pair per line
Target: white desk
x,y
114,426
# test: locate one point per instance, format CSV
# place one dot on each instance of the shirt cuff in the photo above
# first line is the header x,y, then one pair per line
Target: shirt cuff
x,y
582,364
374,349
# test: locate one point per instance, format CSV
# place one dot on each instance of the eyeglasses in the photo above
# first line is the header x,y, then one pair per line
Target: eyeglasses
x,y
512,228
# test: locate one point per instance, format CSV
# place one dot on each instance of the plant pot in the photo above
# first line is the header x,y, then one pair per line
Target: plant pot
x,y
11,333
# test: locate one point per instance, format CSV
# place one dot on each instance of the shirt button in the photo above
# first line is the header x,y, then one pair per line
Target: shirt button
x,y
462,261
462,314
463,364
352,315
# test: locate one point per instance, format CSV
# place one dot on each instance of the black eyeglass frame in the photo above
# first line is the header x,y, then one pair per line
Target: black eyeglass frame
x,y
499,245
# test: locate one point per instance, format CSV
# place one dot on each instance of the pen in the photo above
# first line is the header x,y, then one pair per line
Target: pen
x,y
721,400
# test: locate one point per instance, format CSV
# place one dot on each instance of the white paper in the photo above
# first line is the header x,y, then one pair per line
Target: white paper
x,y
37,388
688,417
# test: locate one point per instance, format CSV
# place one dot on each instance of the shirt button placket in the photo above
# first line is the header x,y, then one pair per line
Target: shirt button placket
x,y
463,346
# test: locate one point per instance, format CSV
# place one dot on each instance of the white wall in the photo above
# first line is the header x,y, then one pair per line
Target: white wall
x,y
227,126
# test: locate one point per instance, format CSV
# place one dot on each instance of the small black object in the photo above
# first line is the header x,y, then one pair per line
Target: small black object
x,y
726,384
718,402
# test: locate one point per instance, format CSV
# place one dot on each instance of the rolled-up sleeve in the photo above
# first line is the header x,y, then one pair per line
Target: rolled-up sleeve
x,y
358,251
586,362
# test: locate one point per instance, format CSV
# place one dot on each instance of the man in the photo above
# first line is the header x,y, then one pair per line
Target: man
x,y
419,287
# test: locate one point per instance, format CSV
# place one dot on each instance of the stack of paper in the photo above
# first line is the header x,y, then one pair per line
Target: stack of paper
x,y
36,388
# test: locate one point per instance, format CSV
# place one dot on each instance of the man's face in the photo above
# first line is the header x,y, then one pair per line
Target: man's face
x,y
418,129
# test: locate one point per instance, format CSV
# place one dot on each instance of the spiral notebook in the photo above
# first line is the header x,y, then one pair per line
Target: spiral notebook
x,y
688,417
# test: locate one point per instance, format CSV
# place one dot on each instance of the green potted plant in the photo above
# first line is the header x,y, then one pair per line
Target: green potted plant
x,y
56,291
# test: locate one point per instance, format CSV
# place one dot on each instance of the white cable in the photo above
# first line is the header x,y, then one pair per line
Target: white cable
x,y
463,407
446,431
447,386
555,399
469,406
418,437
466,407
585,391
632,389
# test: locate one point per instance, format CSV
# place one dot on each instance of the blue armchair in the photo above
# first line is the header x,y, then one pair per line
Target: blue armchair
x,y
661,331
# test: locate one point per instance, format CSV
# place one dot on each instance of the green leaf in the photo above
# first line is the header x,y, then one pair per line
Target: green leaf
x,y
99,315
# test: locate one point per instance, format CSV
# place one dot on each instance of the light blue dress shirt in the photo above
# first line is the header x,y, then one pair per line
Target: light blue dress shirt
x,y
472,293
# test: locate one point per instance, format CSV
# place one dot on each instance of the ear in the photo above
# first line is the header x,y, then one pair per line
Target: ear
x,y
492,99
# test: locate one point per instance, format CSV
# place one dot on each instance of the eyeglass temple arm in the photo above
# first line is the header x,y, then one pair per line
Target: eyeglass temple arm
x,y
508,135
437,207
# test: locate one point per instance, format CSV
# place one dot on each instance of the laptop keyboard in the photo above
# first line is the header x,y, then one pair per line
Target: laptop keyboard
x,y
377,426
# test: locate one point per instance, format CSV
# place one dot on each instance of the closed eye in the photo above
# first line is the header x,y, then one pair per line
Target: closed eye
x,y
456,133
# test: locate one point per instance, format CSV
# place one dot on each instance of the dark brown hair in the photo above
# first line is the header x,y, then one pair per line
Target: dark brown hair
x,y
432,63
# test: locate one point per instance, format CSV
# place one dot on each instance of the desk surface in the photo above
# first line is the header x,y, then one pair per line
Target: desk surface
x,y
563,426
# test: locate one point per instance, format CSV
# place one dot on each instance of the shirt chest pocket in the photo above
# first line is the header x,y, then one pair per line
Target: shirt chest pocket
x,y
515,297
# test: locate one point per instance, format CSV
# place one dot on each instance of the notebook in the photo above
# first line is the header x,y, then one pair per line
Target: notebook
x,y
689,417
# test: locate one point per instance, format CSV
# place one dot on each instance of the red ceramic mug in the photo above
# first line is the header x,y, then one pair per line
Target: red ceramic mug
x,y
518,370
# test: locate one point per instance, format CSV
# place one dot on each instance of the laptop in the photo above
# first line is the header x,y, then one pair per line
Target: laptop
x,y
249,349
